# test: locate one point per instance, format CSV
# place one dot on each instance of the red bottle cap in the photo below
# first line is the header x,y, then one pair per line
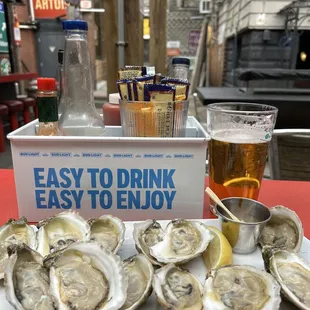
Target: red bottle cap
x,y
46,84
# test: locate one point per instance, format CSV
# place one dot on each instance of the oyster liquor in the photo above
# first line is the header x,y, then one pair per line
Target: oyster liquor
x,y
140,189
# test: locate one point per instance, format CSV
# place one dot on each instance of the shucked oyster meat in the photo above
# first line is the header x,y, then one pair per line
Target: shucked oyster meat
x,y
26,280
284,230
147,234
293,274
59,231
177,288
108,231
15,232
241,287
182,241
140,274
85,276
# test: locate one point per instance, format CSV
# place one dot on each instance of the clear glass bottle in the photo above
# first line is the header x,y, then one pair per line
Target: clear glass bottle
x,y
79,116
47,102
180,68
61,81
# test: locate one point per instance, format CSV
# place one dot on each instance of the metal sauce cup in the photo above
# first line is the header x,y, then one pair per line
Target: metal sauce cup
x,y
243,238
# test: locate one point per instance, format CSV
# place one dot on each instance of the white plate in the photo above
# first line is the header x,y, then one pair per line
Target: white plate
x,y
196,266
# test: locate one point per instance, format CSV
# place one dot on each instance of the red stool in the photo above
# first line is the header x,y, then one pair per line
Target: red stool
x,y
3,111
14,107
28,102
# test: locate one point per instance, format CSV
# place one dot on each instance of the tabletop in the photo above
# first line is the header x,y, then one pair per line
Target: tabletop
x,y
292,194
14,77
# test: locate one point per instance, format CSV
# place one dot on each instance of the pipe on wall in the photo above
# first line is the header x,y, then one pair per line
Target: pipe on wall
x,y
31,8
120,33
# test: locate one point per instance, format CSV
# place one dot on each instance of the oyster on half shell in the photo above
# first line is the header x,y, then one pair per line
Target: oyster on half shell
x,y
145,235
284,230
140,274
241,287
26,280
57,232
15,232
85,275
293,274
107,230
182,241
177,288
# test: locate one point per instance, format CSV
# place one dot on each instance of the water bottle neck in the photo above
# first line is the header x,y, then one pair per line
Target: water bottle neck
x,y
76,34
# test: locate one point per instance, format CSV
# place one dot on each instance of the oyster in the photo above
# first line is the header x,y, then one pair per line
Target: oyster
x,y
284,230
182,241
140,274
147,234
177,288
241,287
26,280
15,232
59,231
293,274
86,276
108,231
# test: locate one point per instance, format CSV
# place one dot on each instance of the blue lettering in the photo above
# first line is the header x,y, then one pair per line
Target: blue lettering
x,y
145,178
38,177
105,200
134,200
93,194
155,179
64,196
157,200
136,177
122,178
63,174
93,172
167,178
77,176
77,196
52,178
121,199
147,201
39,199
169,198
106,178
53,200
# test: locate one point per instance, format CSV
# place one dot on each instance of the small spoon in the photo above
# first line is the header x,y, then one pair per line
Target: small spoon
x,y
217,200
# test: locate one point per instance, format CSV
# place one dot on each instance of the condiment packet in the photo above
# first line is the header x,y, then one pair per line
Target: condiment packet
x,y
130,72
124,89
138,89
158,77
182,87
159,92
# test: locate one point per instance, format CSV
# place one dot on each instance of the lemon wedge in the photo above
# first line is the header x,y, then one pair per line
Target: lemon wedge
x,y
243,181
218,252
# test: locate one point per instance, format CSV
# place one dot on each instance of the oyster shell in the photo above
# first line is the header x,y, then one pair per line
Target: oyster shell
x,y
145,235
182,241
59,231
177,288
108,231
293,274
15,232
140,274
241,287
284,230
86,276
26,280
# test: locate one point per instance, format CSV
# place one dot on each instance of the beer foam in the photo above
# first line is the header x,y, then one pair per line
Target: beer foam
x,y
242,136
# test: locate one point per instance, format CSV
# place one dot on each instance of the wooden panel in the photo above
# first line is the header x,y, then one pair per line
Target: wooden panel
x,y
158,20
217,57
133,33
110,38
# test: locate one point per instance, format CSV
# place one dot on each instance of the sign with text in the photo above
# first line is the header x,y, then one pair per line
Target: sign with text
x,y
132,182
4,45
49,8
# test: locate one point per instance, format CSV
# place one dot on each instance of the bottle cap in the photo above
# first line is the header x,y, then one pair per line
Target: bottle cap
x,y
114,98
181,61
61,56
46,84
74,25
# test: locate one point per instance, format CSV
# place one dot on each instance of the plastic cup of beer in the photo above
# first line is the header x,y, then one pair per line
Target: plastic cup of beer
x,y
240,134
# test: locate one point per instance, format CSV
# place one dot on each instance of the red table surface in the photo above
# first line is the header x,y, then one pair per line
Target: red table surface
x,y
292,194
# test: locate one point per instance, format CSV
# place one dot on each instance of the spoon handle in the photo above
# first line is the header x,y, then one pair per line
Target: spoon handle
x,y
217,200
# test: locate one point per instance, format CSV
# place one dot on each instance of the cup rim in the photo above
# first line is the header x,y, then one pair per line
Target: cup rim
x,y
219,214
218,107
